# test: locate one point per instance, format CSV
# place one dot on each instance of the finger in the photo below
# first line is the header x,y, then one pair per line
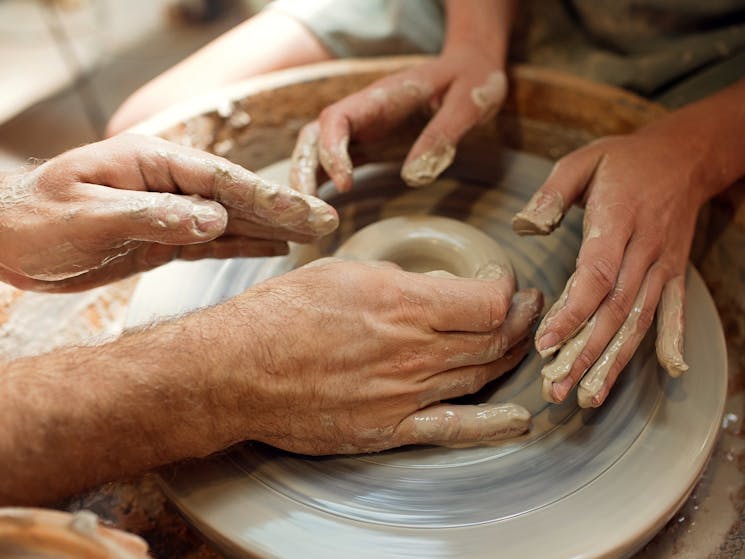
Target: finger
x,y
476,348
460,426
464,106
671,327
244,228
607,233
598,381
152,255
134,162
367,115
553,388
471,379
612,313
566,183
458,304
115,214
304,159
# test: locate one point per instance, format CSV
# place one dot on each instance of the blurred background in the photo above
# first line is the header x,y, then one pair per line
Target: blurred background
x,y
66,65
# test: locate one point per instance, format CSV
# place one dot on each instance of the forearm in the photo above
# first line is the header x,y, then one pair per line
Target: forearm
x,y
78,417
710,132
481,24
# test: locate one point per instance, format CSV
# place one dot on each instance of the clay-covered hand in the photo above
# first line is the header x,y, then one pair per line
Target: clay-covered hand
x,y
387,348
110,209
463,87
641,193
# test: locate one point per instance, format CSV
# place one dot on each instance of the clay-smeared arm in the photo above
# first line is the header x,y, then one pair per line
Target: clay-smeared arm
x,y
465,85
338,357
642,193
111,209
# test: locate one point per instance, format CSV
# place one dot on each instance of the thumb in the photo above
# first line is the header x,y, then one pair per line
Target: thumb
x,y
158,217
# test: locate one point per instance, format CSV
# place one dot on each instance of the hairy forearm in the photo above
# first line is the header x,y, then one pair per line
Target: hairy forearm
x,y
482,24
75,418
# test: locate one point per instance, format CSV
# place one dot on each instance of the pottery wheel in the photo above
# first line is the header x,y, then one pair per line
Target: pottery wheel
x,y
584,483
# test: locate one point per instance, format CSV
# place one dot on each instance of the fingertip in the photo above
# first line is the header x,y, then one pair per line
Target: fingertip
x,y
541,215
427,160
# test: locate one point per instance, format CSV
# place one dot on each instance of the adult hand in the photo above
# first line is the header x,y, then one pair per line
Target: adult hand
x,y
111,209
642,193
463,86
387,347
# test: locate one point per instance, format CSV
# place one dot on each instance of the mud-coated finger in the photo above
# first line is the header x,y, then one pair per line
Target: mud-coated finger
x,y
464,106
304,159
462,426
566,183
671,327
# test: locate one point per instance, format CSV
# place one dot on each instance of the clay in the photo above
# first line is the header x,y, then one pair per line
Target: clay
x,y
490,96
428,166
593,383
541,215
671,327
558,369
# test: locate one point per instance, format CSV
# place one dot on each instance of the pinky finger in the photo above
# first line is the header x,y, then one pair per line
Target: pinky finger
x,y
671,327
460,426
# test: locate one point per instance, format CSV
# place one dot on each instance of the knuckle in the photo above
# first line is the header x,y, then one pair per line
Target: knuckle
x,y
618,304
584,361
602,274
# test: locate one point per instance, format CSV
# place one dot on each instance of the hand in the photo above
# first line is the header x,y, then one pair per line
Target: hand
x,y
463,85
387,347
642,193
111,209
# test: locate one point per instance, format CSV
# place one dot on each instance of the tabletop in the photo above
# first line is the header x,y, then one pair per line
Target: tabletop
x,y
711,523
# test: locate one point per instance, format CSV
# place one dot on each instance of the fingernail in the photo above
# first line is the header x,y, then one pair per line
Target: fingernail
x,y
208,219
428,166
541,215
547,342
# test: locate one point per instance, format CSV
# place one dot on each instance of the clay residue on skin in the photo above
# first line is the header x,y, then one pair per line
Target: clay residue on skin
x,y
471,426
305,159
671,327
428,166
558,369
489,96
335,159
550,315
279,205
593,383
493,270
541,215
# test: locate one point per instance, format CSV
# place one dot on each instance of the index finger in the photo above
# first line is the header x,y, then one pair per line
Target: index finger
x,y
136,162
